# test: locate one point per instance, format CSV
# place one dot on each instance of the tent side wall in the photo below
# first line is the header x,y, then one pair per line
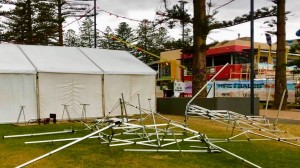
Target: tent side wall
x,y
17,90
56,89
130,86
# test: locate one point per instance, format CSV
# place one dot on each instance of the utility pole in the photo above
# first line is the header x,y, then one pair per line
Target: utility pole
x,y
95,24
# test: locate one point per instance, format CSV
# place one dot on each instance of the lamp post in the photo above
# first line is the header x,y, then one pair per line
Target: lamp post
x,y
95,23
252,58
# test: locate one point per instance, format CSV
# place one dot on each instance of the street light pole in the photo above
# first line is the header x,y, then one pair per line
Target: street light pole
x,y
252,57
95,24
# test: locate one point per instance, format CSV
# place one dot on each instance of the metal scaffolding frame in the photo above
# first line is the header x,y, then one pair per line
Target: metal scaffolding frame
x,y
152,132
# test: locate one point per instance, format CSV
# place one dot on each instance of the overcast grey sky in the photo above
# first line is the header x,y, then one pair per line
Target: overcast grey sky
x,y
146,9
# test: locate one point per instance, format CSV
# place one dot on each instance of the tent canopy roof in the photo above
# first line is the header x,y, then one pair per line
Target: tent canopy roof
x,y
56,59
59,59
12,60
117,62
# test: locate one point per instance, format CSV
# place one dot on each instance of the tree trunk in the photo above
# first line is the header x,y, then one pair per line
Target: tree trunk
x,y
200,27
280,68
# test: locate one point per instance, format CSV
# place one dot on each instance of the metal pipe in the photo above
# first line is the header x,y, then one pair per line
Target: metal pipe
x,y
226,151
58,140
65,146
207,83
282,97
276,139
153,118
267,103
123,102
252,57
142,143
165,150
122,144
37,134
193,98
95,25
140,110
238,135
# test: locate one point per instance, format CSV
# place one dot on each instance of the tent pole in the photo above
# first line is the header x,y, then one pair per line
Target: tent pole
x,y
103,96
122,111
102,80
124,107
38,96
36,82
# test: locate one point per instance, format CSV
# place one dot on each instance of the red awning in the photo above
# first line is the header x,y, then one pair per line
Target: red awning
x,y
226,50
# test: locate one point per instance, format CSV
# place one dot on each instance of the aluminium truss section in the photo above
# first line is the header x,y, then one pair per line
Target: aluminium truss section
x,y
250,127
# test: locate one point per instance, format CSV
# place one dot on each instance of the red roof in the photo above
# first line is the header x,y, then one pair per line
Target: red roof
x,y
225,50
220,50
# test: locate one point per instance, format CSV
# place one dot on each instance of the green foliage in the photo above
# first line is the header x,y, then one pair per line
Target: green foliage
x,y
31,22
174,15
19,24
71,39
106,41
45,27
125,33
151,39
295,48
40,22
146,37
264,12
87,33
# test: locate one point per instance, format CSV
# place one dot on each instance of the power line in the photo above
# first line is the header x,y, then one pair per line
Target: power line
x,y
82,16
225,4
105,11
119,16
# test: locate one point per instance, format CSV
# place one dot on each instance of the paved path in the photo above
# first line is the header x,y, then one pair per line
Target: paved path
x,y
287,116
293,114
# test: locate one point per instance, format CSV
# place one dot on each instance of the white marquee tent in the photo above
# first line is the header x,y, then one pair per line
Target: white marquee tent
x,y
65,77
17,85
45,78
123,73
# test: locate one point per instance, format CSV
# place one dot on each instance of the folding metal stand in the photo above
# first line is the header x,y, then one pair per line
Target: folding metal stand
x,y
67,111
22,112
83,115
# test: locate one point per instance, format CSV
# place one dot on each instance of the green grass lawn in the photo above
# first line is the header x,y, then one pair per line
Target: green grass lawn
x,y
91,153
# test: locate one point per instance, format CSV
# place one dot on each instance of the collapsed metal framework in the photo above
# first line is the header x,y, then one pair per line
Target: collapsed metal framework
x,y
152,131
258,126
251,127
